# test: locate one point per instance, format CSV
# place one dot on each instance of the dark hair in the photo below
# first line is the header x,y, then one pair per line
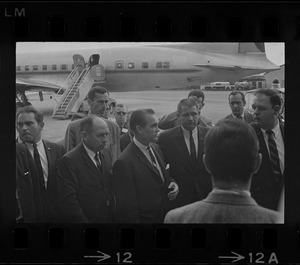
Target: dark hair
x,y
273,94
231,148
30,109
187,102
138,118
96,89
236,92
86,123
198,93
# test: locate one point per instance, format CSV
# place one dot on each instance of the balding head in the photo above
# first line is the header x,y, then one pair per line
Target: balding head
x,y
94,132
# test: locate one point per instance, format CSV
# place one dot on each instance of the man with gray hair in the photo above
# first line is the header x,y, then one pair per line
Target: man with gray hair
x,y
83,184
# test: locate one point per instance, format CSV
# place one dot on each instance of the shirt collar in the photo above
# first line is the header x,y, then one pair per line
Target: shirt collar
x,y
89,151
186,132
233,191
276,130
139,144
38,144
242,115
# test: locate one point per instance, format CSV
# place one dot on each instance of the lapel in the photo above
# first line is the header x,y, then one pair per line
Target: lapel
x,y
90,164
182,144
200,146
281,125
144,159
160,162
262,144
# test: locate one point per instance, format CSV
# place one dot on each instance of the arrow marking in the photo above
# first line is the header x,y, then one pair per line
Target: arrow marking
x,y
101,257
236,258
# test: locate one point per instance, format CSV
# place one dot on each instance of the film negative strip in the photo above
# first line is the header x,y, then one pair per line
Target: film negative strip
x,y
150,55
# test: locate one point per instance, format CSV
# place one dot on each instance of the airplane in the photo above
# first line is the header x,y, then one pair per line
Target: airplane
x,y
146,67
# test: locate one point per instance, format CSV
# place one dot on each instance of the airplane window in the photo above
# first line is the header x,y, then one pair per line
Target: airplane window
x,y
18,68
54,67
166,64
35,67
130,65
119,65
63,67
44,67
259,84
26,67
145,65
159,65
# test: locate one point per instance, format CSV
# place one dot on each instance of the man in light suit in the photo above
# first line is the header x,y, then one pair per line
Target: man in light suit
x,y
83,184
98,102
140,181
268,183
186,165
46,155
231,155
237,103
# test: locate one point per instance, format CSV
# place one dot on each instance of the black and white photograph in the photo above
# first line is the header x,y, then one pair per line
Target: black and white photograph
x,y
150,132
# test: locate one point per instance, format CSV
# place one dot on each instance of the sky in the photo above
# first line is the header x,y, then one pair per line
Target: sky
x,y
274,51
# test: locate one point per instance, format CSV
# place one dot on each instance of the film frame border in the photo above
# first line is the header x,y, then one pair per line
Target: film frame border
x,y
162,22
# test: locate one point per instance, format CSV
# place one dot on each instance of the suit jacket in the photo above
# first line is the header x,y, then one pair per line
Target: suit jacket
x,y
266,188
140,192
248,117
27,186
125,140
223,207
171,120
194,182
73,138
54,152
83,191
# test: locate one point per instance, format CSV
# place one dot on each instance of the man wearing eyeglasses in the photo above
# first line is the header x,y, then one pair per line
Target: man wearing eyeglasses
x,y
121,118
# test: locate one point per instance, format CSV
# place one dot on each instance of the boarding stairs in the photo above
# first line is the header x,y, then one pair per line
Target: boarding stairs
x,y
78,85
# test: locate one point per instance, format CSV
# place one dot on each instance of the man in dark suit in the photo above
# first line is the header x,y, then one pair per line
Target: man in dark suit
x,y
171,120
182,148
139,178
237,103
29,208
98,102
268,184
83,184
46,156
231,155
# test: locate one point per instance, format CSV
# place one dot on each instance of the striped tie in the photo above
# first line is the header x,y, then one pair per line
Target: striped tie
x,y
153,160
99,166
274,157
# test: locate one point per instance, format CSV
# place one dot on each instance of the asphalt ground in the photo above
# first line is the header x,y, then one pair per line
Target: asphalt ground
x,y
216,106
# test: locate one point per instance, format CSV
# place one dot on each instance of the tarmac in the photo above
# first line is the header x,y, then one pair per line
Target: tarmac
x,y
162,102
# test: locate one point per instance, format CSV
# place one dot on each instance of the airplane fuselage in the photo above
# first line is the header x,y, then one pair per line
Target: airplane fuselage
x,y
144,67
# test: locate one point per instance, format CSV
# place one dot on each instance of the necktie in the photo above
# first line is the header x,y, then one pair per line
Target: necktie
x,y
38,164
153,160
99,166
193,149
274,157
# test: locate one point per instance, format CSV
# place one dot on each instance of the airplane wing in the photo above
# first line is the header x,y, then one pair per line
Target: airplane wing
x,y
223,67
233,67
23,84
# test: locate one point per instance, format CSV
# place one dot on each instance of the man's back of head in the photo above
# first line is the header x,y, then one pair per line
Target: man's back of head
x,y
231,151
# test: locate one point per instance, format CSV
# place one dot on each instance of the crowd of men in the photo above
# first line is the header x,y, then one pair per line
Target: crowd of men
x,y
125,170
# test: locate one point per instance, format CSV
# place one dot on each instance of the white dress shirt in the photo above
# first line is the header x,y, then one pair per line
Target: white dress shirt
x,y
92,155
186,135
145,151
